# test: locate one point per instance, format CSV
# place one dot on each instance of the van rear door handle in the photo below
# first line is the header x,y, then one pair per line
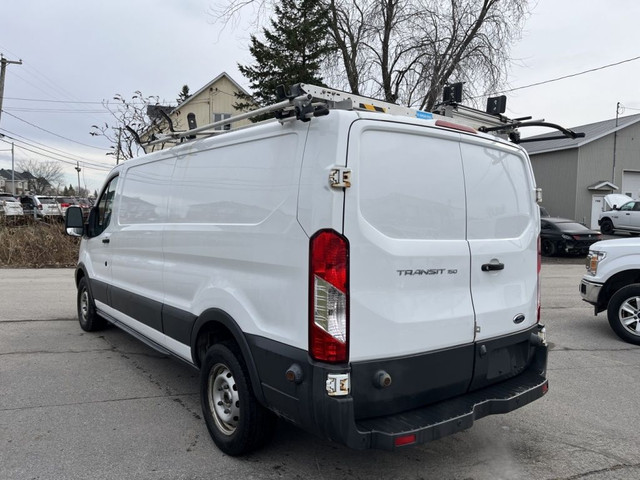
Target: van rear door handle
x,y
491,267
106,240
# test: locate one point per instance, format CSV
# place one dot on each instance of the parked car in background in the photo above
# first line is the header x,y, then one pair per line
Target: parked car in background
x,y
612,283
66,202
41,206
625,218
562,235
85,204
9,205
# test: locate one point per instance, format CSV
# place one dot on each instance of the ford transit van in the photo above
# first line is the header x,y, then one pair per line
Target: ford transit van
x,y
372,278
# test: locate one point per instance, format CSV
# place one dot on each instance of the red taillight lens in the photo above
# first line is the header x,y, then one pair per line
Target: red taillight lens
x,y
405,440
329,297
65,205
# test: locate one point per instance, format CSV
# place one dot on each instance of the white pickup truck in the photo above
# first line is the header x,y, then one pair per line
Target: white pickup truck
x,y
612,283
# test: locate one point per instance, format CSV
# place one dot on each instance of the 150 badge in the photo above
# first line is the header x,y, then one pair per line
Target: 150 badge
x,y
429,271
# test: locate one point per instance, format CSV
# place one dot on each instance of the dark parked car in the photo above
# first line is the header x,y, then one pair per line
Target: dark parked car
x,y
561,235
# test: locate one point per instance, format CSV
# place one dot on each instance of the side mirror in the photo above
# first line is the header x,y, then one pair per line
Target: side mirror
x,y
73,222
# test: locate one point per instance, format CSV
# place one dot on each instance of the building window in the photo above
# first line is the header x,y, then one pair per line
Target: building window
x,y
222,116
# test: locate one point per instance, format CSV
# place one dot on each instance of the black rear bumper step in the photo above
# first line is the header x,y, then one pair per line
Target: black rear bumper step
x,y
459,413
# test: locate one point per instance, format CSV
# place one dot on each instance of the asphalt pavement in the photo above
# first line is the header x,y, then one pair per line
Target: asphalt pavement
x,y
76,405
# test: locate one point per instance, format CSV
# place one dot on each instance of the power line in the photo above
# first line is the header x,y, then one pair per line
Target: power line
x,y
48,149
51,133
569,76
68,162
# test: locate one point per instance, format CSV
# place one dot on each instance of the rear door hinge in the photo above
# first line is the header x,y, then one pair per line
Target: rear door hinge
x,y
340,177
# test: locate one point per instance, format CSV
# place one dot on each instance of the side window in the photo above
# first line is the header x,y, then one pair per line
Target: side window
x,y
105,206
636,207
627,206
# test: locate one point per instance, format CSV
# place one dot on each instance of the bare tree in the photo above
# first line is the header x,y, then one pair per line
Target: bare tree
x,y
42,176
406,51
128,116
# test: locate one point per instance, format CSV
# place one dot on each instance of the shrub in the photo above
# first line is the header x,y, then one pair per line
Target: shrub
x,y
26,243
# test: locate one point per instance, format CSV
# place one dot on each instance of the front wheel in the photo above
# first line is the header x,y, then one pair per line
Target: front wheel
x,y
623,313
87,316
236,421
606,227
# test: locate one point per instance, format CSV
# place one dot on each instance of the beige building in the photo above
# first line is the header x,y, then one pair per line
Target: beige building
x,y
212,103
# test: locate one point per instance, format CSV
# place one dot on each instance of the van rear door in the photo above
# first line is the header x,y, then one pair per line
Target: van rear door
x,y
405,220
502,229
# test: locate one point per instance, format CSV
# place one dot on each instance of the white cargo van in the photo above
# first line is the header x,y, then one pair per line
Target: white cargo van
x,y
372,278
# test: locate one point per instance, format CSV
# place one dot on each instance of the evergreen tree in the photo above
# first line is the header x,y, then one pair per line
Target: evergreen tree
x,y
292,52
183,95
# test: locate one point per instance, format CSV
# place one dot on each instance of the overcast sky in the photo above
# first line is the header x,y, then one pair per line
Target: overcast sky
x,y
77,53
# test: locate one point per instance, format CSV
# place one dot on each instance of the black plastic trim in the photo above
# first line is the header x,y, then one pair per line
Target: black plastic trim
x,y
142,309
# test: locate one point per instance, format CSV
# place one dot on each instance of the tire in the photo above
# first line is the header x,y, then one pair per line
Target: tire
x,y
238,424
623,313
87,316
548,248
606,227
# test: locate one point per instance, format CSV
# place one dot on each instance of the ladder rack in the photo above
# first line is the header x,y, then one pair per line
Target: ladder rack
x,y
304,101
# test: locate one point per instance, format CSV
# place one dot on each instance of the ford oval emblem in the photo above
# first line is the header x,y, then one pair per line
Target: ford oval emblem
x,y
518,318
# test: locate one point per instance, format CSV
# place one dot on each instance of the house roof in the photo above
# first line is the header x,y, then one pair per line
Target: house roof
x,y
592,131
223,74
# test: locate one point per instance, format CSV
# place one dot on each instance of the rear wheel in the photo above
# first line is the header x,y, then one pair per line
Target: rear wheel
x,y
236,421
623,313
606,226
87,316
548,248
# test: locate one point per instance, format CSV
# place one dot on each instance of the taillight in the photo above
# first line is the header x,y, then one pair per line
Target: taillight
x,y
539,268
329,297
40,207
65,205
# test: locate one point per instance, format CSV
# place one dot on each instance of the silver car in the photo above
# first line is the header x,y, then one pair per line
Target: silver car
x,y
9,205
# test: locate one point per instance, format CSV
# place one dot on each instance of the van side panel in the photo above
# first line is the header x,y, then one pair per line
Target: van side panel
x,y
232,241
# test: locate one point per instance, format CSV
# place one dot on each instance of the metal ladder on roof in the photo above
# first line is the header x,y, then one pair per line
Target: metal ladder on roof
x,y
304,101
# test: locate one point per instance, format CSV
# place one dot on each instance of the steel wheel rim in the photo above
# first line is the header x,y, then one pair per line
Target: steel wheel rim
x,y
84,305
629,315
224,401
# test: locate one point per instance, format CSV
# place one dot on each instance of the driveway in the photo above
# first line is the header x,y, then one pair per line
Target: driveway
x,y
75,405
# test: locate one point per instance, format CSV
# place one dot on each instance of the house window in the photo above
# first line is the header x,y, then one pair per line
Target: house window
x,y
222,116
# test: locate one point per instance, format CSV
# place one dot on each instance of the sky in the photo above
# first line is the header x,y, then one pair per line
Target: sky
x,y
77,53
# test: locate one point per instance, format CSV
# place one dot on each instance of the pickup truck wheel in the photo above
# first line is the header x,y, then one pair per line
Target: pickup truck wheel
x,y
87,316
238,424
606,227
548,248
623,313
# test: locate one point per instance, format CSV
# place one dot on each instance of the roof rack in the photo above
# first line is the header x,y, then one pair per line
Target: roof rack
x,y
304,101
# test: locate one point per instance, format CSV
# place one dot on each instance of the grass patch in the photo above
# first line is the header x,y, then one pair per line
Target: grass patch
x,y
36,244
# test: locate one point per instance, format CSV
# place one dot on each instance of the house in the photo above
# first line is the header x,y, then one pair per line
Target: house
x,y
7,181
575,174
212,103
25,182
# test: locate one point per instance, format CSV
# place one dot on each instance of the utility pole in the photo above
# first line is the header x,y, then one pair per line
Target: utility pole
x,y
78,170
615,138
3,67
118,146
13,174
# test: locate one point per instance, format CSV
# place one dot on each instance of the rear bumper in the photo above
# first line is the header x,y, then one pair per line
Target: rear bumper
x,y
454,415
359,424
